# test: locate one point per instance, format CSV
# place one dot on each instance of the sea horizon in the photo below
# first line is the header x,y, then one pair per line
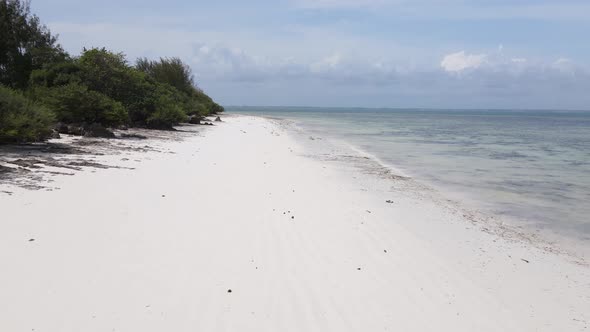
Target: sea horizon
x,y
515,109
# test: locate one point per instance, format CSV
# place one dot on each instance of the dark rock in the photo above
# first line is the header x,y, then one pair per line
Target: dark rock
x,y
31,240
229,290
159,125
389,201
62,128
218,119
74,129
54,134
69,129
524,260
358,268
195,119
97,130
133,136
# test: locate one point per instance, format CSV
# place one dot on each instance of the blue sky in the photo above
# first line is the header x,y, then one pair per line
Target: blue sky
x,y
370,53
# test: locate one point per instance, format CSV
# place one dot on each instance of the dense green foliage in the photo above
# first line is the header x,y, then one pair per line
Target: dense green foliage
x,y
178,75
97,87
21,120
75,103
170,71
25,44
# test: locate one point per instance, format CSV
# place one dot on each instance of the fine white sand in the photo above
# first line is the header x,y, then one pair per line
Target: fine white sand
x,y
304,243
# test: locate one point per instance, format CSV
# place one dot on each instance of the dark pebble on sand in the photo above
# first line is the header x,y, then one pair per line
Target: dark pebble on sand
x,y
31,240
229,290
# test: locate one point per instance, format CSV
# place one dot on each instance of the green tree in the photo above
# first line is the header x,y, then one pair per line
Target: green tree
x,y
171,71
107,73
174,72
25,44
57,74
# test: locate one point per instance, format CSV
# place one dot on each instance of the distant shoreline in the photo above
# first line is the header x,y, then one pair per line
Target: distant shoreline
x,y
235,108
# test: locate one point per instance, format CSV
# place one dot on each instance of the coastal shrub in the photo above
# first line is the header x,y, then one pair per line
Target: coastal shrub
x,y
175,73
171,71
75,103
166,115
56,74
108,73
102,77
97,87
166,111
148,102
204,99
215,108
196,108
22,120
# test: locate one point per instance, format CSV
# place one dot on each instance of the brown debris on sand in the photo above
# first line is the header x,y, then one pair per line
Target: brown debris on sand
x,y
31,166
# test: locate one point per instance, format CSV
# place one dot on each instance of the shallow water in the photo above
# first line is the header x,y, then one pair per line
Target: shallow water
x,y
530,166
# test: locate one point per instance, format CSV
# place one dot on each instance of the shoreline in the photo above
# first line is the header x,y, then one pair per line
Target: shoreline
x,y
304,242
562,241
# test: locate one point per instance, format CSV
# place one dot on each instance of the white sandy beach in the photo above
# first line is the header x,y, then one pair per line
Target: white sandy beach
x,y
304,243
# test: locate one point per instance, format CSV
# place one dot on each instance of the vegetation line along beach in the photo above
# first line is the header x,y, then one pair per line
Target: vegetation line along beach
x,y
45,91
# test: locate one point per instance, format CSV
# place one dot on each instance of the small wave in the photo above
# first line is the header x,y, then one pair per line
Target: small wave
x,y
379,161
508,155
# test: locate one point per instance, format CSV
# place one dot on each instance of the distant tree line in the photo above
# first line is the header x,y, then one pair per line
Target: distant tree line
x,y
41,85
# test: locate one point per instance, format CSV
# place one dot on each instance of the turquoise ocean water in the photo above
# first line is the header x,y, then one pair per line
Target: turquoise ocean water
x,y
530,166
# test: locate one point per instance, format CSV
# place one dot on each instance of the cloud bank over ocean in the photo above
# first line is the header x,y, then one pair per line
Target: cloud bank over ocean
x,y
374,53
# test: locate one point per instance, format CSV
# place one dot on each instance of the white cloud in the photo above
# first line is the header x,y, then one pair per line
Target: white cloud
x,y
320,65
565,65
327,63
459,61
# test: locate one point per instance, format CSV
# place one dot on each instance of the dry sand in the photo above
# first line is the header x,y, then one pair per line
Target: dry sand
x,y
239,227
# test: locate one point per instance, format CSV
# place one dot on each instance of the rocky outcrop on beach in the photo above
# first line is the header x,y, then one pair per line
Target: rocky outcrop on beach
x,y
87,130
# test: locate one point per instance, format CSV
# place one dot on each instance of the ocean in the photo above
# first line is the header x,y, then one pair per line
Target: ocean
x,y
531,167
